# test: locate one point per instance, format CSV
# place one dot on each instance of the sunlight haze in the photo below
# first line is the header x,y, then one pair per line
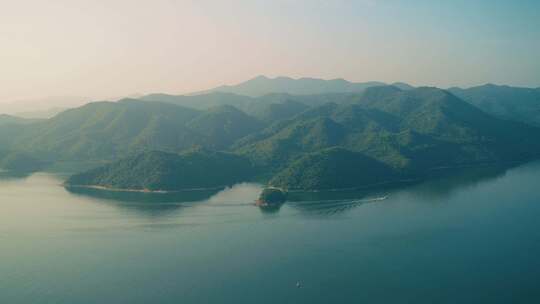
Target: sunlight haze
x,y
110,49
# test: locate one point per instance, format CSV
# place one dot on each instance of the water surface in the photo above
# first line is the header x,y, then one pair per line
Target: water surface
x,y
469,238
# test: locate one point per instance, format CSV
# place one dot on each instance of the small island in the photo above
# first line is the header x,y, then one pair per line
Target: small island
x,y
271,197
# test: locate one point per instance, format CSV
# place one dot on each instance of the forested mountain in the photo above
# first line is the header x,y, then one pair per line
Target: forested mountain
x,y
416,129
271,112
271,107
314,141
382,134
248,104
107,130
402,86
40,114
506,102
333,168
223,125
9,119
20,162
153,170
203,101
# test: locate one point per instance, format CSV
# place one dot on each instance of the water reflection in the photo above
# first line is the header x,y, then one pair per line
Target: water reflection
x,y
164,204
442,184
145,197
148,204
333,207
271,208
437,186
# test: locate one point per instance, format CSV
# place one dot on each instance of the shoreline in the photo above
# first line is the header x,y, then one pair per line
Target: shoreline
x,y
411,180
417,179
112,189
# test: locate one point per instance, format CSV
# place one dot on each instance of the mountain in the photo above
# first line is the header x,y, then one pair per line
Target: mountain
x,y
19,162
202,101
268,108
223,125
109,130
42,107
105,130
40,114
273,111
383,134
402,86
263,85
333,168
9,119
505,102
261,107
163,171
414,130
311,141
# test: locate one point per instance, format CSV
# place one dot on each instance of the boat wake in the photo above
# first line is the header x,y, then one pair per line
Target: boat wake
x,y
330,207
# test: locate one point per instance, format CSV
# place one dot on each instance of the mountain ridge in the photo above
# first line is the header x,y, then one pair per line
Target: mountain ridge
x,y
391,130
262,85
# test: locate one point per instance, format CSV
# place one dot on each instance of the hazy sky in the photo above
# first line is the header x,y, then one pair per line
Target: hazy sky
x,y
102,49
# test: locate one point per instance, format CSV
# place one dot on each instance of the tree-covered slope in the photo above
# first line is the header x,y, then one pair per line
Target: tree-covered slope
x,y
276,145
109,129
9,119
155,171
273,111
203,101
414,129
223,125
270,107
505,102
301,140
333,168
19,162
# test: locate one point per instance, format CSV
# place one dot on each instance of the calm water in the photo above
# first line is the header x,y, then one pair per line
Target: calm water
x,y
470,238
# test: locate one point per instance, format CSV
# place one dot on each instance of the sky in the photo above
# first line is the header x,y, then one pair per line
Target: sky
x,y
97,49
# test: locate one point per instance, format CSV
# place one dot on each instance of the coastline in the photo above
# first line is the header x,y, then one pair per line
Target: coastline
x,y
105,188
415,179
411,180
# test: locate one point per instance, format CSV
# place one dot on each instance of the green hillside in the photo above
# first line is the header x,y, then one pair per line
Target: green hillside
x,y
223,125
108,130
155,170
272,111
19,162
415,129
296,141
333,168
203,101
9,119
505,102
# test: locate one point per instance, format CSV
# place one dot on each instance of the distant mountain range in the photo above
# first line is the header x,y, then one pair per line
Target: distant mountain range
x,y
506,102
10,119
262,85
511,103
296,134
408,131
41,108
